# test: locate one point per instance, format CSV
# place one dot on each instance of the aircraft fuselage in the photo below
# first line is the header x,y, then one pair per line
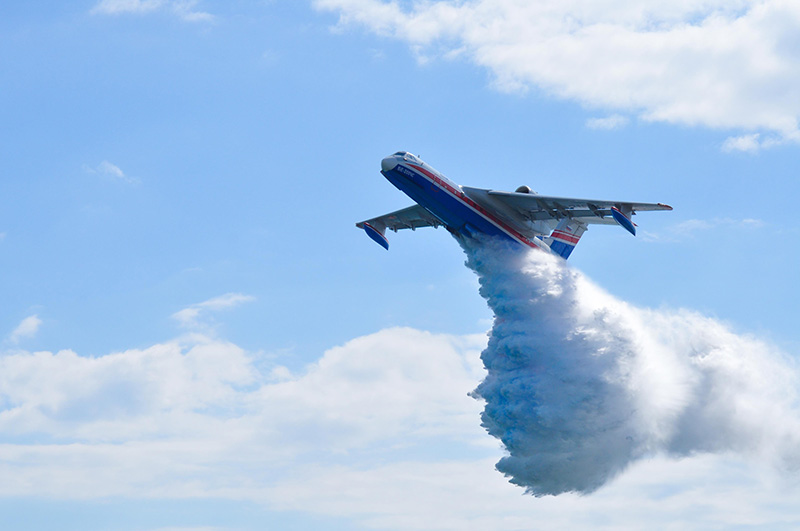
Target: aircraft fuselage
x,y
551,223
447,201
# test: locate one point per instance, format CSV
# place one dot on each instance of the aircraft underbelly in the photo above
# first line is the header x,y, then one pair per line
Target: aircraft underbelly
x,y
453,212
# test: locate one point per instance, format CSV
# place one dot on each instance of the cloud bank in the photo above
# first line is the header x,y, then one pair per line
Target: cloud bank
x,y
718,64
580,385
199,416
379,431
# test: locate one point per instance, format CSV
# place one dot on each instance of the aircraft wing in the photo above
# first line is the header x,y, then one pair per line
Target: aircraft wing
x,y
536,207
412,218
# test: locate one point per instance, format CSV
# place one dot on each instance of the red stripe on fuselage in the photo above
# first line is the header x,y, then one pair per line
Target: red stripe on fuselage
x,y
475,206
564,236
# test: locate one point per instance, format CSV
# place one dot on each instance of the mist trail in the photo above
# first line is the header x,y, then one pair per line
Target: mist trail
x,y
581,384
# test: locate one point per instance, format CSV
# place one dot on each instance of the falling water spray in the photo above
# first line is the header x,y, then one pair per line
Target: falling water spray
x,y
580,385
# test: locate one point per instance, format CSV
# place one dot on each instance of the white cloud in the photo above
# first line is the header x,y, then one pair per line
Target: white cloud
x,y
747,143
755,142
195,417
379,430
385,386
26,329
191,316
615,121
111,7
184,9
718,64
695,225
690,227
110,171
702,492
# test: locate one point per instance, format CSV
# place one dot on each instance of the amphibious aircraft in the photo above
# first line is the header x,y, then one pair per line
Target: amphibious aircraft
x,y
553,224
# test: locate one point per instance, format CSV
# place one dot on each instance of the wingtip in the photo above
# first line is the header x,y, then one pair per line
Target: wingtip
x,y
666,207
375,235
623,220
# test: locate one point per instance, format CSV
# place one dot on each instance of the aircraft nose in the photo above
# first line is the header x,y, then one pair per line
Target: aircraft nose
x,y
388,163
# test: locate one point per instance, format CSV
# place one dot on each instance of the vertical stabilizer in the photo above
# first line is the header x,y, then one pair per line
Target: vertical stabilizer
x,y
565,237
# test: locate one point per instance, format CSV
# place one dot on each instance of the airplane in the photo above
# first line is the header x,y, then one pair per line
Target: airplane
x,y
552,224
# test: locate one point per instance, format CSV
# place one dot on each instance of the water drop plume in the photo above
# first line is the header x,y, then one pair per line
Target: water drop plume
x,y
580,384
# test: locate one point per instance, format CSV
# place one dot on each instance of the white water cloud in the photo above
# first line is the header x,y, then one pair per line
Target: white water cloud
x,y
718,64
582,385
184,9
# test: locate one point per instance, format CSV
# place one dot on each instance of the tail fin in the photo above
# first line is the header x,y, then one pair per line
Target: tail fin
x,y
565,237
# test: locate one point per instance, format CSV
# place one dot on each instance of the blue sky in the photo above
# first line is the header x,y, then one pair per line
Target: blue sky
x,y
179,187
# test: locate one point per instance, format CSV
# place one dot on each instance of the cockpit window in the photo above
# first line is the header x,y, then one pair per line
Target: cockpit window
x,y
407,156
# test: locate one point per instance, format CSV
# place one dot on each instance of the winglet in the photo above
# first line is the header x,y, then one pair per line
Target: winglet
x,y
375,235
623,220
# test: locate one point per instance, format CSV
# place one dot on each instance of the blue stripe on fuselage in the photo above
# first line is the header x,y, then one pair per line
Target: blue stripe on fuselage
x,y
562,249
452,211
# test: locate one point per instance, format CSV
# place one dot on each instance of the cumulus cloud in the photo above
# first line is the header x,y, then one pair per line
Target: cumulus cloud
x,y
184,9
719,64
192,316
702,492
379,430
581,385
201,417
364,391
26,329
